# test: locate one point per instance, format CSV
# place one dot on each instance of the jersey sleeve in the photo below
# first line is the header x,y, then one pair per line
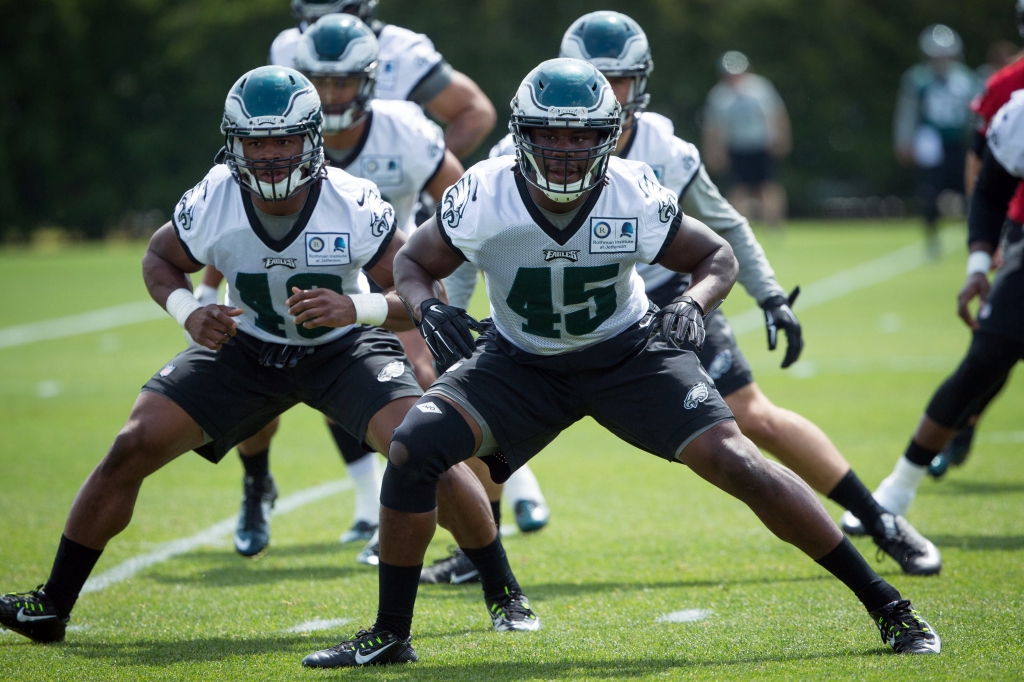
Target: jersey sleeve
x,y
406,58
190,216
661,216
457,216
374,227
431,138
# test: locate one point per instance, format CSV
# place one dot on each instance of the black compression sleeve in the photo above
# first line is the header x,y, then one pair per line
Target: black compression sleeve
x,y
978,143
992,193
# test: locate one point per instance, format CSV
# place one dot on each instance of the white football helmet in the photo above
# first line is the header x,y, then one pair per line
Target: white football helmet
x,y
618,47
564,93
939,41
273,101
340,46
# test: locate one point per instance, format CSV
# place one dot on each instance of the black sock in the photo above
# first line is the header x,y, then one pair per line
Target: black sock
x,y
258,465
495,573
919,455
397,598
496,510
71,568
852,494
845,563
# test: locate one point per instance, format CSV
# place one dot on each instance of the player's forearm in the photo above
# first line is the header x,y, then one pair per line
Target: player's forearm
x,y
713,277
992,194
466,131
413,283
398,317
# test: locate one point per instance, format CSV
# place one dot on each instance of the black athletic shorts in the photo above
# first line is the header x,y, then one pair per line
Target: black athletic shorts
x,y
1003,313
751,168
720,355
651,394
232,397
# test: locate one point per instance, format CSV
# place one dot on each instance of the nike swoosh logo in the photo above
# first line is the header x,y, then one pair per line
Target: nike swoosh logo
x,y
363,660
456,578
25,618
361,199
241,544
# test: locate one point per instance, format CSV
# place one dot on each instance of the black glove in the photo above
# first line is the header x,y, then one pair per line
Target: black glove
x,y
680,321
446,328
778,314
280,355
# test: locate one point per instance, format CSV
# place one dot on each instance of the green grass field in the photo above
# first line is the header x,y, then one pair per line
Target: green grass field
x,y
631,537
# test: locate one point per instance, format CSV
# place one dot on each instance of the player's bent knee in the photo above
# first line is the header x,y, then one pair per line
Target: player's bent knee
x,y
432,438
987,361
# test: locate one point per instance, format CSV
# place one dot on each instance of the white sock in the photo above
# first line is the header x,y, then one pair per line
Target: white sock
x,y
907,475
365,473
523,485
897,491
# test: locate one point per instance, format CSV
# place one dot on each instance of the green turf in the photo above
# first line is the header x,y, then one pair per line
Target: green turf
x,y
631,537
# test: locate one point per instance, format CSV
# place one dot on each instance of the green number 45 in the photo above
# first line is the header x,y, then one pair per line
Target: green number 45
x,y
530,297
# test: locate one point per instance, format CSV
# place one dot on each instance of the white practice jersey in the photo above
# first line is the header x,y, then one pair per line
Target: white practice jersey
x,y
400,151
553,291
405,58
1006,135
344,227
676,163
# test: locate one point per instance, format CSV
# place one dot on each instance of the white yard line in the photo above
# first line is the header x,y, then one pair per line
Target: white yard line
x,y
319,624
685,616
211,535
881,269
83,323
1001,437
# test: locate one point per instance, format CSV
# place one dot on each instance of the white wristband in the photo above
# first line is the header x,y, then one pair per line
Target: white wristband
x,y
370,308
180,304
979,261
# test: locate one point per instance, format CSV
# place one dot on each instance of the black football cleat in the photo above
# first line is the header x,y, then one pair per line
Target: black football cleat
x,y
915,554
455,569
904,630
954,454
33,615
531,516
366,648
512,613
252,535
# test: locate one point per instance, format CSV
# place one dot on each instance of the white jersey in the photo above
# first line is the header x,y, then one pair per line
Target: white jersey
x,y
405,57
677,165
344,227
1006,135
553,291
400,151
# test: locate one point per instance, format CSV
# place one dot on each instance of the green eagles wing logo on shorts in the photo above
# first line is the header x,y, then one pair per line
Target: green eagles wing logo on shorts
x,y
454,201
698,394
667,206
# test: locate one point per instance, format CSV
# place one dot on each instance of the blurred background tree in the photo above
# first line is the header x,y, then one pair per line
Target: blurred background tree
x,y
109,109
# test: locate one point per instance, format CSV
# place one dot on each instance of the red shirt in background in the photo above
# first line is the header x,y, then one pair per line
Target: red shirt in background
x,y
998,89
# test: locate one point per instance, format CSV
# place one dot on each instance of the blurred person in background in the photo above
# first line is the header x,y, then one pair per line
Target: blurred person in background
x,y
932,120
746,132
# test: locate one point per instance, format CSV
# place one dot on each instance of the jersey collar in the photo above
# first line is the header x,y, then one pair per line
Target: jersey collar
x,y
561,237
280,245
354,153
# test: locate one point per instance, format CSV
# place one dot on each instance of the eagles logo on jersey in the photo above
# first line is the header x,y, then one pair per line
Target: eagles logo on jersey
x,y
383,216
666,201
453,203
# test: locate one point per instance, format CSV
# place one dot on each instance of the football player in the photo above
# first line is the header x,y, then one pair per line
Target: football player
x,y
292,236
392,144
618,47
998,88
557,232
997,341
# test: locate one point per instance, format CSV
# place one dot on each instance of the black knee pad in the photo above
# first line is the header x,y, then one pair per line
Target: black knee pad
x,y
436,438
976,381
